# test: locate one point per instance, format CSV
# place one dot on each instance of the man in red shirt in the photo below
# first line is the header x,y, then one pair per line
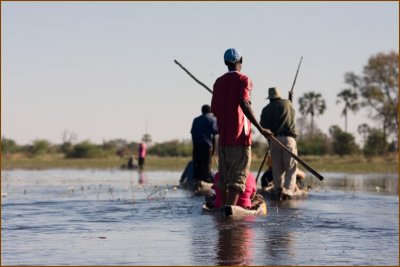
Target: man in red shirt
x,y
232,107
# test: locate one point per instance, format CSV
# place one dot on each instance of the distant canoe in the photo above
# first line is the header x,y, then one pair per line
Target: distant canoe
x,y
202,189
188,182
237,211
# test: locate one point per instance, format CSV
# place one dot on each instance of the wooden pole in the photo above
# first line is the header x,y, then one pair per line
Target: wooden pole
x,y
194,78
316,174
262,164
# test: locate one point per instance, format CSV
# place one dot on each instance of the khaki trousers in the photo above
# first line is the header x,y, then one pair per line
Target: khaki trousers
x,y
284,166
233,166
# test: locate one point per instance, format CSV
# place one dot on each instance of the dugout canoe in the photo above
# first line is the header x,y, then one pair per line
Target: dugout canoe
x,y
201,189
237,211
268,193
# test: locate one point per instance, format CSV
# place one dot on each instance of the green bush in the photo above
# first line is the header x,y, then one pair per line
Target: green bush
x,y
172,149
317,145
343,143
40,147
8,145
87,150
376,143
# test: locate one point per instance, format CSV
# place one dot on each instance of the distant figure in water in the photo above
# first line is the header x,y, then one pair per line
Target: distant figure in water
x,y
131,165
142,151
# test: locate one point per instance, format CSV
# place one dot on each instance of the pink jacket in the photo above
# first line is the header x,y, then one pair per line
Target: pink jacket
x,y
142,150
244,199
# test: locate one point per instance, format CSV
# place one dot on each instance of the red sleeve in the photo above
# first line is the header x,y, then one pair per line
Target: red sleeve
x,y
247,86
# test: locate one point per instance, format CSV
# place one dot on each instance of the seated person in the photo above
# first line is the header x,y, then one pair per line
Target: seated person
x,y
266,179
131,164
187,181
245,199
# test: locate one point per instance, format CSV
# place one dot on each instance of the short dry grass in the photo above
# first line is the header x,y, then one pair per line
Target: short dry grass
x,y
348,164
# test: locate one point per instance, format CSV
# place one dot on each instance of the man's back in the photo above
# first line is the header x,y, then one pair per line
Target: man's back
x,y
229,89
204,127
278,116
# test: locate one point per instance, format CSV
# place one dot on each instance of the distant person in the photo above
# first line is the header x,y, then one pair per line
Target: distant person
x,y
204,133
142,151
231,105
132,164
279,116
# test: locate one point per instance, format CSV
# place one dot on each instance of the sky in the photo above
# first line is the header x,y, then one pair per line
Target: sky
x,y
105,70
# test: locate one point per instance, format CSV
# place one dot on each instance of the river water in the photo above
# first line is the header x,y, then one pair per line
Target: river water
x,y
113,217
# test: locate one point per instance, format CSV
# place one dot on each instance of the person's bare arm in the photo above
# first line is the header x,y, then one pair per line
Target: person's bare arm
x,y
248,112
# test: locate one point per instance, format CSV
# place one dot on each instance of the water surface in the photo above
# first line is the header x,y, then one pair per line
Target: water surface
x,y
112,217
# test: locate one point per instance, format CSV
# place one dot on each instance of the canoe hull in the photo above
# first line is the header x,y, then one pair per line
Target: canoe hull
x,y
268,193
237,211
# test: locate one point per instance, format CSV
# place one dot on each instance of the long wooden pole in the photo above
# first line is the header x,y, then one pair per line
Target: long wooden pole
x,y
262,164
305,165
316,174
194,78
294,81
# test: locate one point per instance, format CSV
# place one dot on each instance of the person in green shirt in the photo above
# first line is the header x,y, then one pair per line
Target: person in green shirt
x,y
279,117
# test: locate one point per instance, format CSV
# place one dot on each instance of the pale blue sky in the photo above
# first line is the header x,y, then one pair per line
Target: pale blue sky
x,y
102,69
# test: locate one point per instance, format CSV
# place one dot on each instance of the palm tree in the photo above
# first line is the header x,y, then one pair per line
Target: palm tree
x,y
313,104
349,98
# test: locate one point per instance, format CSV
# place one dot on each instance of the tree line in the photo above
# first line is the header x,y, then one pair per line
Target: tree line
x,y
376,90
338,142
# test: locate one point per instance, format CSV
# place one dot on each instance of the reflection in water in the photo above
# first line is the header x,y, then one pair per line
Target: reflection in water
x,y
379,183
279,236
142,177
278,244
234,241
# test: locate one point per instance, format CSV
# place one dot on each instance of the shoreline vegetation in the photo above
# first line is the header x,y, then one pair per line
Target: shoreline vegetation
x,y
346,164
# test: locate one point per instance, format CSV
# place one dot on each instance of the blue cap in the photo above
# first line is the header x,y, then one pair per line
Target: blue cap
x,y
232,55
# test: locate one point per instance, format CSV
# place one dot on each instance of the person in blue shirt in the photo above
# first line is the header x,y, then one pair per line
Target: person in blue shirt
x,y
204,135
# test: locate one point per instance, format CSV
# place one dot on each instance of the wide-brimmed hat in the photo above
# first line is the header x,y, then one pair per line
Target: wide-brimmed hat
x,y
273,92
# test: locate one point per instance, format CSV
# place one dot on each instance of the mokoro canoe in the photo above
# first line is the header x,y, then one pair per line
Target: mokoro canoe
x,y
237,211
268,193
202,189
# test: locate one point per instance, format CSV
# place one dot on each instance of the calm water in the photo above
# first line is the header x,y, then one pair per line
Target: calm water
x,y
75,217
